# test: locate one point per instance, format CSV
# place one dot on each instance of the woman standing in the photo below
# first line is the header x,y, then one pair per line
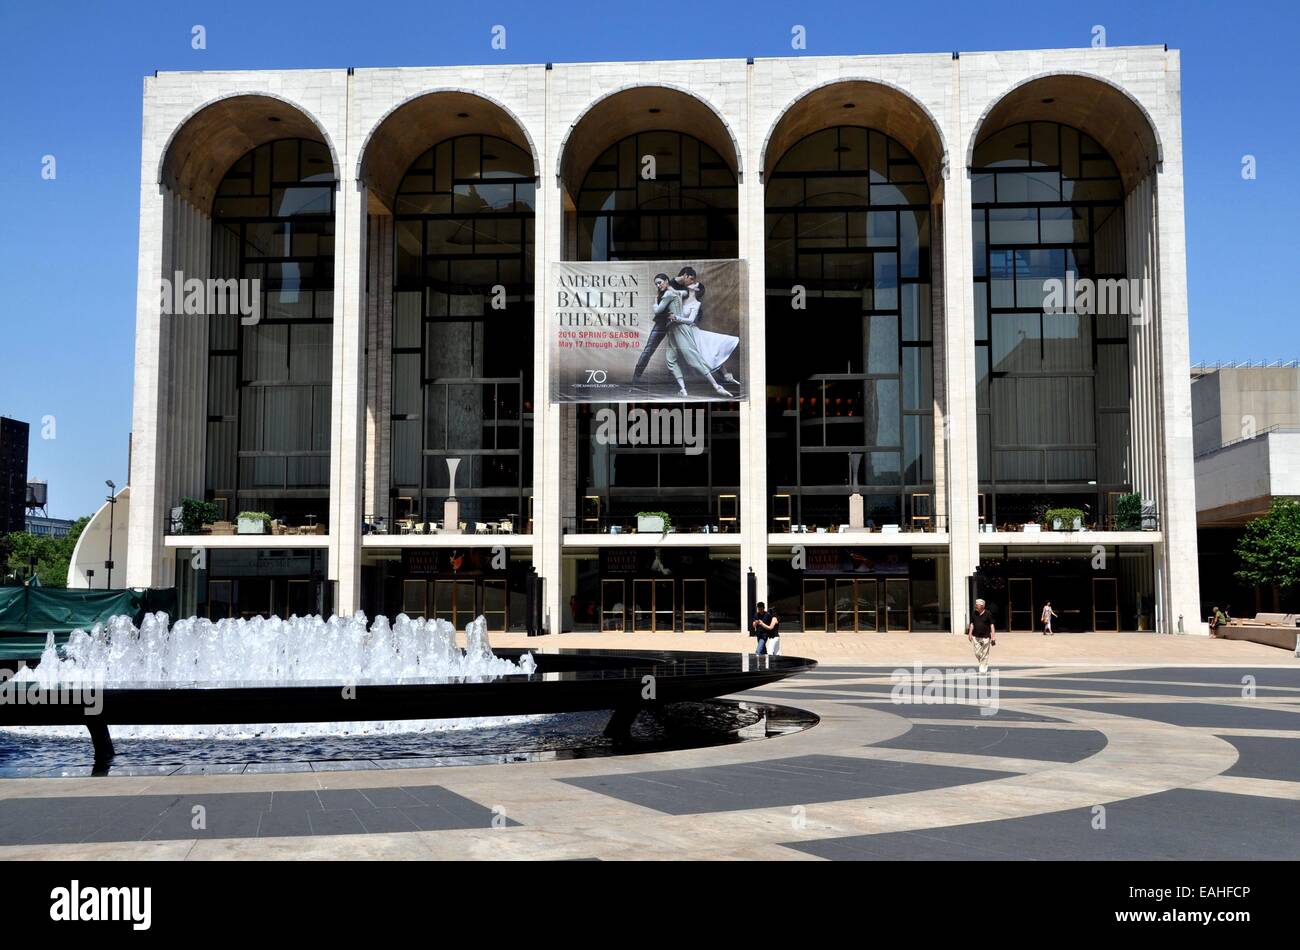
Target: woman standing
x,y
683,351
1048,614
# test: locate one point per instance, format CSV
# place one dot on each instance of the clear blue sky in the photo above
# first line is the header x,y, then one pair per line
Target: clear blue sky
x,y
72,86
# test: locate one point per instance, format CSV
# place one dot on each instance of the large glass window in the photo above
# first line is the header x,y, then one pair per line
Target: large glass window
x,y
463,332
1052,385
679,206
849,332
268,436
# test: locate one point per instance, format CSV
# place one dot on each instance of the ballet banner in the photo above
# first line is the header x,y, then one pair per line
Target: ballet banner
x,y
648,331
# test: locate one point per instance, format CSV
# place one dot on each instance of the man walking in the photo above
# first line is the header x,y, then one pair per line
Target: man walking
x,y
764,628
982,633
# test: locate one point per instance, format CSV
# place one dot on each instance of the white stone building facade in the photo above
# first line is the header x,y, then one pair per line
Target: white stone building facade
x,y
374,123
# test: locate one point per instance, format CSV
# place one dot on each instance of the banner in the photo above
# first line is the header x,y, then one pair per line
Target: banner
x,y
652,331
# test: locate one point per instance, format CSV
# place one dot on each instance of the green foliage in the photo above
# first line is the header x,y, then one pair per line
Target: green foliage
x,y
668,520
1269,549
1067,516
52,555
261,516
195,513
1128,512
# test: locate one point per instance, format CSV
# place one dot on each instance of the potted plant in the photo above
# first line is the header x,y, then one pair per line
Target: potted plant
x,y
254,522
1128,512
1065,519
653,522
196,513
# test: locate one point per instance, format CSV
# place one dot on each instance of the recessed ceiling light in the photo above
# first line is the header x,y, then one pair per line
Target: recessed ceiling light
x,y
272,118
462,115
489,158
656,111
1048,101
850,105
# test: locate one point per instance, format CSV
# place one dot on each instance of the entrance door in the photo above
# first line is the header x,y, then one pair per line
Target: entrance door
x,y
613,609
1105,605
652,605
898,604
695,604
1020,604
855,604
453,601
814,605
495,600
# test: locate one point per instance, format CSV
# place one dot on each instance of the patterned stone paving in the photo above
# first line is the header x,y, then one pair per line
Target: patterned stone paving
x,y
1184,762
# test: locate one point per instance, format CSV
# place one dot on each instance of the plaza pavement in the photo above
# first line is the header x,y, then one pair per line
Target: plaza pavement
x,y
1102,746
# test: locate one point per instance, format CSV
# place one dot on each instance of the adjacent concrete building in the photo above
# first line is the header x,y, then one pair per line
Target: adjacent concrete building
x,y
917,206
1246,431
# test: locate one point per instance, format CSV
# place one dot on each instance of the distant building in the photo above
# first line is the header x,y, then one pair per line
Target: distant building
x,y
1246,440
13,475
48,527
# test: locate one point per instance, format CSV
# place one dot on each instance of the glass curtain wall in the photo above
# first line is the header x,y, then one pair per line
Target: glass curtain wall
x,y
268,435
1052,387
686,211
463,333
849,333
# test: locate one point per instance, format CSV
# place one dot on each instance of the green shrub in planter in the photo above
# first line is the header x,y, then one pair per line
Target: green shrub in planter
x,y
668,521
261,517
1067,517
1128,512
196,513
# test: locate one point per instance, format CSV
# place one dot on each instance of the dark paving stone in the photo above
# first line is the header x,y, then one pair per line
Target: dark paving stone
x,y
338,821
800,780
284,823
389,797
1048,745
236,815
955,711
1211,715
1264,676
1226,691
1178,825
303,800
385,820
342,798
1266,757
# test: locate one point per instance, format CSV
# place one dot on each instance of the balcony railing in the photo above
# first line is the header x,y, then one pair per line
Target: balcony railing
x,y
628,524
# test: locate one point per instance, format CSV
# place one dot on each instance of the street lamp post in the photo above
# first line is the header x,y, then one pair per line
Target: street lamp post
x,y
112,509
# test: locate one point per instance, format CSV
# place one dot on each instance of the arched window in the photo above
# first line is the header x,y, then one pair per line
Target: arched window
x,y
849,332
1052,387
463,331
655,196
268,438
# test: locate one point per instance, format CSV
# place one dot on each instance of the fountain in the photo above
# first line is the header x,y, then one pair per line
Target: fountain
x,y
307,676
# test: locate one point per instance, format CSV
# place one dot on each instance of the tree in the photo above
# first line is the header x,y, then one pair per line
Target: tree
x,y
53,555
1269,548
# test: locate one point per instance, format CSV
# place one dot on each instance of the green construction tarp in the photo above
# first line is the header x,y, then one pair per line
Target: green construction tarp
x,y
42,610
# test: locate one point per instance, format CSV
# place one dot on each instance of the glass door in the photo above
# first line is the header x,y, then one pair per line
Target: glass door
x,y
814,605
415,596
220,599
695,604
494,605
898,604
613,612
867,593
664,605
1105,605
453,601
1020,604
855,604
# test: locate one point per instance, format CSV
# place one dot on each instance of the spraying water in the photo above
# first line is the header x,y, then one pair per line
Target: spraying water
x,y
196,652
